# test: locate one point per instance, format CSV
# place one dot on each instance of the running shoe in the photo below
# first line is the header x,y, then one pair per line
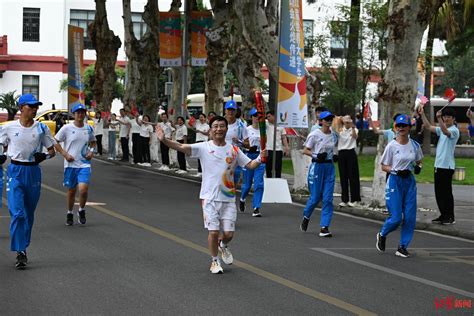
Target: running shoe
x,y
216,267
304,224
21,260
69,219
256,212
343,204
325,232
180,171
437,220
380,244
226,255
448,221
402,252
242,206
82,217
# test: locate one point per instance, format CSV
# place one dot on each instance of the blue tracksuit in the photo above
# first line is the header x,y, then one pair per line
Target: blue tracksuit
x,y
321,180
255,176
23,193
400,198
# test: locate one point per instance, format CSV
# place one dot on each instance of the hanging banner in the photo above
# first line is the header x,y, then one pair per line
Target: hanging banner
x,y
170,39
201,21
75,69
292,107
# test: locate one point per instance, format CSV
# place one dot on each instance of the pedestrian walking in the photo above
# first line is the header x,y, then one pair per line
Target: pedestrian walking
x,y
236,133
202,134
347,162
401,158
253,176
78,148
124,134
444,162
146,130
135,131
25,139
98,130
218,159
321,147
113,124
281,146
181,137
168,129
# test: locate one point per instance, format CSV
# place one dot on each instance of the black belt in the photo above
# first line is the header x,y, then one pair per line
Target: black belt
x,y
324,161
24,163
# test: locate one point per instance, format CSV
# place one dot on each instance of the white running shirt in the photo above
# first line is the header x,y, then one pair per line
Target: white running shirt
x,y
24,142
402,157
218,165
319,142
254,136
76,143
237,130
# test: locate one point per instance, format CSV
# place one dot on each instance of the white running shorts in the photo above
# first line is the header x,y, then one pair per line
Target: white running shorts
x,y
219,215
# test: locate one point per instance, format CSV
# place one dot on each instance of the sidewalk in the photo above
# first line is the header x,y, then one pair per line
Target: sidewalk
x,y
427,209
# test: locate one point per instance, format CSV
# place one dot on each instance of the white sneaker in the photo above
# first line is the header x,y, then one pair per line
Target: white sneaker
x,y
140,164
197,175
110,158
181,171
216,267
164,168
146,164
342,204
354,204
226,255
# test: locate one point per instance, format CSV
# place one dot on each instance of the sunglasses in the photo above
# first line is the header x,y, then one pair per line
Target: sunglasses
x,y
402,125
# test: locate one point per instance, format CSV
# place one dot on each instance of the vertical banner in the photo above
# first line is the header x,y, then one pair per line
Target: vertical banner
x,y
75,69
201,21
292,107
170,39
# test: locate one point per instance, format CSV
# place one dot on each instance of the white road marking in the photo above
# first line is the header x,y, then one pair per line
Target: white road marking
x,y
396,273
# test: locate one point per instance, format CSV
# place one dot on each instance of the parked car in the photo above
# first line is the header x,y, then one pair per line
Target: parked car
x,y
54,119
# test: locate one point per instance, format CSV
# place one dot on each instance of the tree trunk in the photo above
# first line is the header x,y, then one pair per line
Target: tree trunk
x,y
350,78
428,72
143,67
106,45
218,46
397,93
245,66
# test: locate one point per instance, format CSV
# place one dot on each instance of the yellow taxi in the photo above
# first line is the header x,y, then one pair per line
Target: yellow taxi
x,y
54,119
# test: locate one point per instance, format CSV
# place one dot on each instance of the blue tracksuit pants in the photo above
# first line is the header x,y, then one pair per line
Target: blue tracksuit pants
x,y
400,198
321,180
254,176
23,193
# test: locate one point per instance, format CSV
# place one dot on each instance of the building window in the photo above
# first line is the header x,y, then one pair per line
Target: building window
x,y
339,39
83,18
31,25
31,85
308,31
139,26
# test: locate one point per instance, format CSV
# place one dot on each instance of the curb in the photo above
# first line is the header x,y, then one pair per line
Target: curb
x,y
450,230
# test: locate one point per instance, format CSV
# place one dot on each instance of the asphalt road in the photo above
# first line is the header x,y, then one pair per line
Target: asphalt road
x,y
143,251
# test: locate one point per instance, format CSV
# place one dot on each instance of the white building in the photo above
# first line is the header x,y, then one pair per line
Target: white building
x,y
33,42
